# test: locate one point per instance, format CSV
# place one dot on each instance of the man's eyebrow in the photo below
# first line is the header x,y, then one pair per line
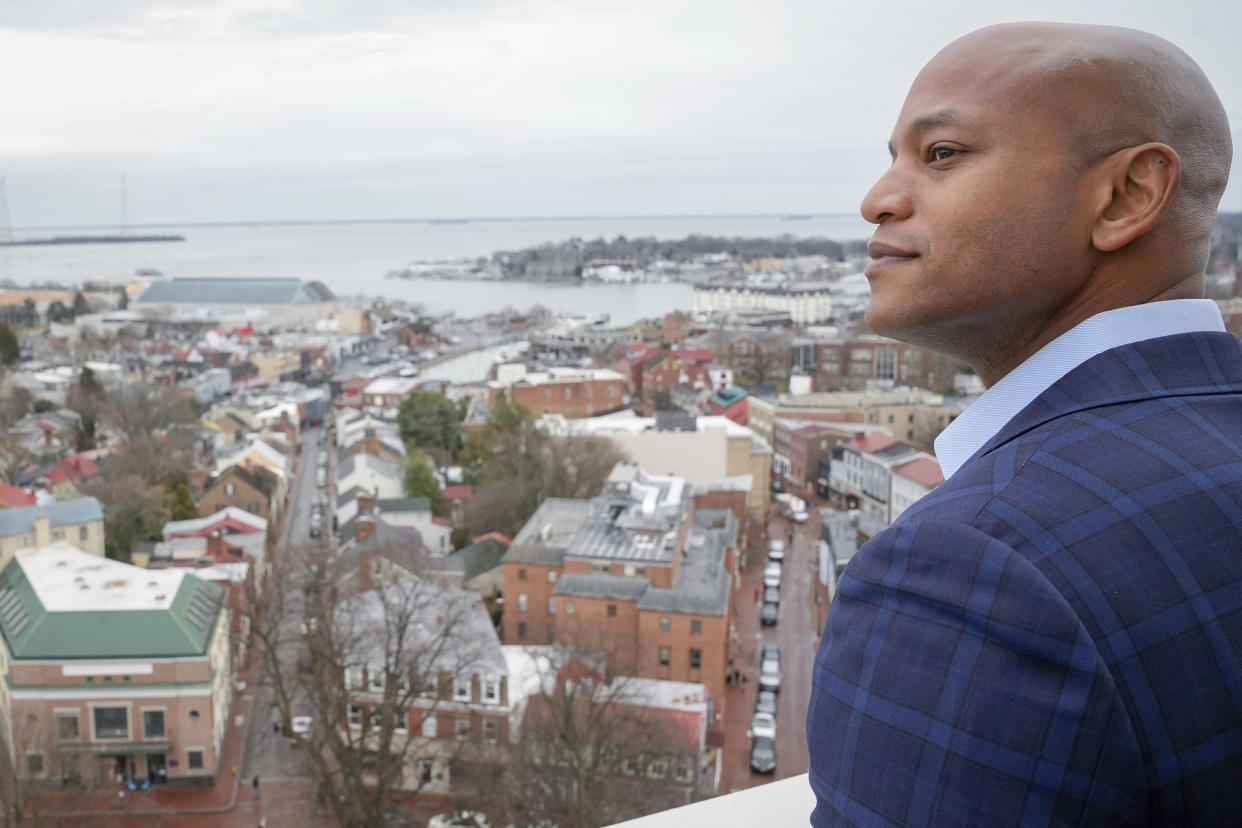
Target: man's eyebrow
x,y
923,123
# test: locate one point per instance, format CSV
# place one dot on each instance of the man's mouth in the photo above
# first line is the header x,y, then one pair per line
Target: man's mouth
x,y
884,256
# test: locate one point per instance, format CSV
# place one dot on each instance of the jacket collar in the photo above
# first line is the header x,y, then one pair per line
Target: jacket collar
x,y
1190,364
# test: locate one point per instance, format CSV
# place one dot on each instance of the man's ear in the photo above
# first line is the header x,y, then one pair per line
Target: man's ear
x,y
1142,180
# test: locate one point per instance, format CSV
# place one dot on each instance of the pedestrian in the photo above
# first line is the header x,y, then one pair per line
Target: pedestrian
x,y
756,595
256,784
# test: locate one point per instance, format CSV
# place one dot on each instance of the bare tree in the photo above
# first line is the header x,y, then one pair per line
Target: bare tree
x,y
590,743
39,784
374,655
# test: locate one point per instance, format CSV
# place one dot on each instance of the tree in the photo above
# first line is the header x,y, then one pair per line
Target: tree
x,y
14,457
15,402
80,305
374,665
420,480
57,312
514,466
587,737
182,506
431,421
134,512
140,410
122,301
10,348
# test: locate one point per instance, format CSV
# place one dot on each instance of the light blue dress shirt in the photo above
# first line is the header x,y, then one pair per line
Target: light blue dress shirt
x,y
987,415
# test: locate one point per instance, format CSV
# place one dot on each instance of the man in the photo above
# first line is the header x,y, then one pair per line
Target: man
x,y
1054,635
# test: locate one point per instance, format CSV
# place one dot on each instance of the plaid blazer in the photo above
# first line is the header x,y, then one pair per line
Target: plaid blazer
x,y
1054,635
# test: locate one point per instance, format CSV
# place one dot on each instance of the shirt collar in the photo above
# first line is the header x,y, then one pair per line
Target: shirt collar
x,y
987,415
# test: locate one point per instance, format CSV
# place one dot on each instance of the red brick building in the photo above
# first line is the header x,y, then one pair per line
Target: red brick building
x,y
569,392
642,572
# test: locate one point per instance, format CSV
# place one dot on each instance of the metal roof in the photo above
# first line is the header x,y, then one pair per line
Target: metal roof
x,y
601,586
231,291
62,603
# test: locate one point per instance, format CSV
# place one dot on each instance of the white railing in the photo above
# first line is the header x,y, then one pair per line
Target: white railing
x,y
787,802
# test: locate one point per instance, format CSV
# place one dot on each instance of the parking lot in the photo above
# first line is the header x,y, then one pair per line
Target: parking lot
x,y
797,635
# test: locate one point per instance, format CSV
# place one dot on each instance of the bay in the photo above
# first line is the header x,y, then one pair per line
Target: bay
x,y
353,258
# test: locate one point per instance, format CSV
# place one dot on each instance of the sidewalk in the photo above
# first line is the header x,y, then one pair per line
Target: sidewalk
x,y
735,772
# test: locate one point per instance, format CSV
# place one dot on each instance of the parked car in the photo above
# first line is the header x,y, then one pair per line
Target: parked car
x,y
763,755
799,517
772,575
772,595
763,724
321,476
776,551
765,702
777,484
770,652
770,676
459,819
769,615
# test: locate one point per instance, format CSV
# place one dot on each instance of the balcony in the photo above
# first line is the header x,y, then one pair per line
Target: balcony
x,y
787,802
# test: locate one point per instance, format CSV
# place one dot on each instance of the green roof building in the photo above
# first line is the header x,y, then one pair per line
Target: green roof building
x,y
125,670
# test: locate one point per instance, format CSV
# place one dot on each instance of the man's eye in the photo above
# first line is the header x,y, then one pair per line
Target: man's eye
x,y
941,153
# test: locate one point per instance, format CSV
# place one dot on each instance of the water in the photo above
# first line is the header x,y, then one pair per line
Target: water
x,y
353,258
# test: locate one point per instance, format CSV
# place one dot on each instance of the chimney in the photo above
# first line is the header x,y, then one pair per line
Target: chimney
x,y
43,531
366,504
364,525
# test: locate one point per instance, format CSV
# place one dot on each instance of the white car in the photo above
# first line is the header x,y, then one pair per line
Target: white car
x,y
459,819
770,675
799,517
301,725
772,575
763,724
776,550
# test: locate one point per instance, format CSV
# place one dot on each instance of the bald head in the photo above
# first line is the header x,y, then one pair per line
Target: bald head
x,y
1042,174
1108,89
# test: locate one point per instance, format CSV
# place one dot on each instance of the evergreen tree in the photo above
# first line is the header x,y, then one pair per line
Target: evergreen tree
x,y
80,305
10,348
182,505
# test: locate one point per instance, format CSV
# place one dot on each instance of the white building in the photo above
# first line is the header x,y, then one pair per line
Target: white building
x,y
805,304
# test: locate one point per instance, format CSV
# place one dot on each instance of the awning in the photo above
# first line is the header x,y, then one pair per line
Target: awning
x,y
118,749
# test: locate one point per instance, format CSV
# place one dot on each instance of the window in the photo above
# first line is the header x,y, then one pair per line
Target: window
x,y
657,768
551,576
111,723
34,764
491,691
612,610
354,715
153,724
67,727
229,488
353,678
489,730
521,631
551,606
377,719
665,624
461,728
82,533
631,570
522,602
696,658
428,727
664,656
377,679
683,770
598,568
521,574
630,766
569,607
194,715
425,767
911,419
194,759
25,541
58,534
461,689
696,626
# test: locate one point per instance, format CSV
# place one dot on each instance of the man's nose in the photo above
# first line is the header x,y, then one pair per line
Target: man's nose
x,y
888,199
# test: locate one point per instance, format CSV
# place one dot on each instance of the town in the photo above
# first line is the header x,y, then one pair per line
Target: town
x,y
270,554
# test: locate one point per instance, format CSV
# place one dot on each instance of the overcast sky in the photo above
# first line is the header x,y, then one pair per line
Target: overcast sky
x,y
221,110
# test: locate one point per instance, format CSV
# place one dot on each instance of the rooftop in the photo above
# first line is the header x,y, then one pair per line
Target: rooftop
x,y
548,533
222,291
21,520
923,471
61,602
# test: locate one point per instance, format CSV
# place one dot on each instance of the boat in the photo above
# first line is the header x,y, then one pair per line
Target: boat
x,y
112,239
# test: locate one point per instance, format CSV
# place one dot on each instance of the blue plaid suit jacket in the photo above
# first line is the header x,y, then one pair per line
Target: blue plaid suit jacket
x,y
1054,635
